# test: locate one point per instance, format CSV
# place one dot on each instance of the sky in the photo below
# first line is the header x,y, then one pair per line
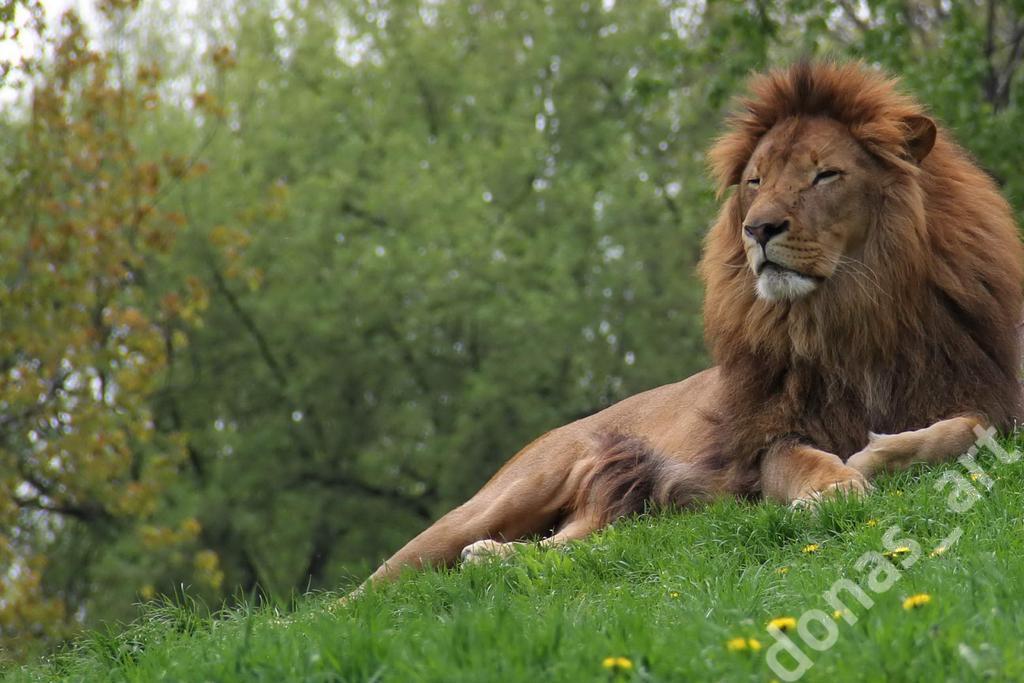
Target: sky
x,y
27,42
10,49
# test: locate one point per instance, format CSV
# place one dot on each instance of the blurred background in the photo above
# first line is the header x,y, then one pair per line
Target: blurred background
x,y
281,281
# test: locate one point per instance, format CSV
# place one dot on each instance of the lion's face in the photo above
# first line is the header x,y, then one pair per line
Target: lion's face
x,y
805,197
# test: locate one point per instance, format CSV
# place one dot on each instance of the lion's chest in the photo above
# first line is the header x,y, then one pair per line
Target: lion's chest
x,y
836,411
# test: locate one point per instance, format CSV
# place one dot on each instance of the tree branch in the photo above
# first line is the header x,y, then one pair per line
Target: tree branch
x,y
269,359
351,209
851,14
416,504
991,79
83,513
1012,62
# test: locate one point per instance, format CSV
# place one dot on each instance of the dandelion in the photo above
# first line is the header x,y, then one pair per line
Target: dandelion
x,y
743,644
782,624
782,570
939,550
915,601
872,522
897,552
617,664
810,548
840,614
673,594
736,644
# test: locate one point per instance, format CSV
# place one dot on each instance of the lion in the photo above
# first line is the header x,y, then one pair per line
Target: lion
x,y
863,281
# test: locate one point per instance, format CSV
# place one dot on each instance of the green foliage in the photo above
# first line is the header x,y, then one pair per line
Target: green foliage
x,y
445,264
336,262
83,466
668,592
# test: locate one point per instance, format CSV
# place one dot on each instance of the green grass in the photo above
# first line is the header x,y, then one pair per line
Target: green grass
x,y
666,591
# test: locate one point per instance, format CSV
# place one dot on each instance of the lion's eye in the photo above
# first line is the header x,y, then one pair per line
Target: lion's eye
x,y
753,182
826,176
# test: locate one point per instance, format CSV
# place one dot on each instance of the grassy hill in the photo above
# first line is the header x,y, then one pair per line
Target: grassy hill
x,y
670,597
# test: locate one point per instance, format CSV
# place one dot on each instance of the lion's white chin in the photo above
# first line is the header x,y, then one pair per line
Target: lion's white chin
x,y
783,285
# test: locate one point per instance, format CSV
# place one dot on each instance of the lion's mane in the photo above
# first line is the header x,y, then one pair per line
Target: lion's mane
x,y
922,328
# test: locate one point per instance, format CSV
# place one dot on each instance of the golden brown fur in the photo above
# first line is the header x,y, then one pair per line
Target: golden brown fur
x,y
863,283
924,329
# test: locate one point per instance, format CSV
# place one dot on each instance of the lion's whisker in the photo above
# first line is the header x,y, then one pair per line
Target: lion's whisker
x,y
858,268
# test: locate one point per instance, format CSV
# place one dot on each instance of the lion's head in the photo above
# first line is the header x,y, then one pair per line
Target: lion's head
x,y
858,250
813,157
806,196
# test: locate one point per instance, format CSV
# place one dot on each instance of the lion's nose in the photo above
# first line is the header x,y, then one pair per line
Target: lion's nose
x,y
763,232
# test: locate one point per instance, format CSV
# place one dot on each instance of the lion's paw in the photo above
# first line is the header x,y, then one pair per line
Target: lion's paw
x,y
486,549
852,484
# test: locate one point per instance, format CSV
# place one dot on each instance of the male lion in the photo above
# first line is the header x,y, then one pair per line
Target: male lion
x,y
863,282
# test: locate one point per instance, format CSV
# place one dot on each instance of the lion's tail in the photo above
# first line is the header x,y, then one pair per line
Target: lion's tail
x,y
629,475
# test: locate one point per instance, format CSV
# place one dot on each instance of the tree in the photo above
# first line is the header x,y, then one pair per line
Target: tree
x,y
84,469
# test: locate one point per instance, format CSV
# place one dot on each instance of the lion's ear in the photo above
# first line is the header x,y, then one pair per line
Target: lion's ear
x,y
921,134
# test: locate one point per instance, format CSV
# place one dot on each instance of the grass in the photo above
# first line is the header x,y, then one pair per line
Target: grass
x,y
664,591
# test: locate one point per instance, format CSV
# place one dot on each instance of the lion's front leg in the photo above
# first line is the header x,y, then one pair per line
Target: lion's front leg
x,y
801,474
944,440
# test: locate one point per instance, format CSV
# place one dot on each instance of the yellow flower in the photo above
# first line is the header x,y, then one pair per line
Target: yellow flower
x,y
741,644
939,550
673,594
915,601
782,570
810,548
736,644
897,492
975,476
840,613
148,592
782,623
872,522
617,664
897,552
